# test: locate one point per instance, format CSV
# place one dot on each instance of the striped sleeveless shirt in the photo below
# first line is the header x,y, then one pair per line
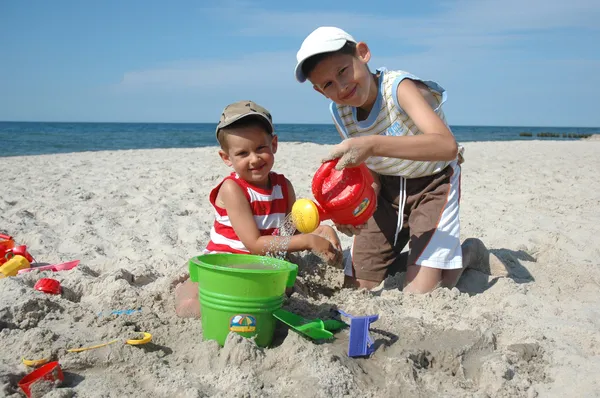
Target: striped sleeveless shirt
x,y
387,118
269,207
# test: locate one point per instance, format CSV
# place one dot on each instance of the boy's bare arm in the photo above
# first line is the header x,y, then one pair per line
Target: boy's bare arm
x,y
436,142
242,221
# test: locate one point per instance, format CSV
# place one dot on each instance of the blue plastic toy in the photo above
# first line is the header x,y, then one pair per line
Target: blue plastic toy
x,y
361,343
119,312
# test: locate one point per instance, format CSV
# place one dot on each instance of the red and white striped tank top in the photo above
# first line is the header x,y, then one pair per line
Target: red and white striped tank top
x,y
269,207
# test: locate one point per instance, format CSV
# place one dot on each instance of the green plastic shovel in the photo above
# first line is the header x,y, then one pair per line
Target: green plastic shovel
x,y
316,329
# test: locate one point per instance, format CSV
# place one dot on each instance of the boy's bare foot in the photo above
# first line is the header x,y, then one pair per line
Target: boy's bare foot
x,y
477,256
187,304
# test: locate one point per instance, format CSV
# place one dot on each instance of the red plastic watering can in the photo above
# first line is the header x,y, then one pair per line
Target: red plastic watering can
x,y
344,196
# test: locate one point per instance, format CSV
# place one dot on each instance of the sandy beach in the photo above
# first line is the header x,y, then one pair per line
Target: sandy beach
x,y
134,219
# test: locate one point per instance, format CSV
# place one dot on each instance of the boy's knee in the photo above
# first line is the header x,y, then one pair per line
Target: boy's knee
x,y
187,289
187,304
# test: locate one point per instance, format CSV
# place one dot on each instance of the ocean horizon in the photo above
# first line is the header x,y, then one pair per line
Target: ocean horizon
x,y
42,138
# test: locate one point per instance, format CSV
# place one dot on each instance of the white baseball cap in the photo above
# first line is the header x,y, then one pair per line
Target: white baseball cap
x,y
322,40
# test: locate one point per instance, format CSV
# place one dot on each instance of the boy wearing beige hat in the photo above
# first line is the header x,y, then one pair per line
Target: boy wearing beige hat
x,y
252,203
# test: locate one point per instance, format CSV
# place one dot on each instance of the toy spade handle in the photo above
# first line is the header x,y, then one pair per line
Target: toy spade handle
x,y
333,325
6,237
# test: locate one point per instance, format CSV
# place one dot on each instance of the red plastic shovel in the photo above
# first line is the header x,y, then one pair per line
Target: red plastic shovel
x,y
54,267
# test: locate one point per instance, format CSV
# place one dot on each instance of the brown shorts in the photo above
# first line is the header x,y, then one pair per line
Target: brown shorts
x,y
431,205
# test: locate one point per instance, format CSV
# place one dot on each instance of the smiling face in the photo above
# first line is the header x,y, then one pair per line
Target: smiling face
x,y
346,79
250,150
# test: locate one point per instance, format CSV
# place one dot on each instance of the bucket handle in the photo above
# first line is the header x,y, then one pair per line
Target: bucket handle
x,y
292,276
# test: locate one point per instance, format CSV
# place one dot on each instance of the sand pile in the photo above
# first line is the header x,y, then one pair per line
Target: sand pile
x,y
134,218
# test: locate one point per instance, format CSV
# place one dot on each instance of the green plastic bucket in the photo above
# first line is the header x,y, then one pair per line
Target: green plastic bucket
x,y
238,299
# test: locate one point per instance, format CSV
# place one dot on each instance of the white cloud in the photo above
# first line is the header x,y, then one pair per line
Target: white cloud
x,y
242,71
475,48
455,21
468,29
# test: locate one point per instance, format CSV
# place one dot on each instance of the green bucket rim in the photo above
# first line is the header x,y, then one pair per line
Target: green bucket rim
x,y
283,265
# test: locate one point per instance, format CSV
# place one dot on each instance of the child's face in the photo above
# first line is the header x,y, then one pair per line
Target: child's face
x,y
345,78
251,153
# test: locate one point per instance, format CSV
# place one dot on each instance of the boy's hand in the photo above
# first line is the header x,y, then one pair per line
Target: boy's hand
x,y
352,152
323,248
350,230
329,233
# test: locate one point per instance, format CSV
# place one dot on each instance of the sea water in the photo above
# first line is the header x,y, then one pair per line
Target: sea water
x,y
37,138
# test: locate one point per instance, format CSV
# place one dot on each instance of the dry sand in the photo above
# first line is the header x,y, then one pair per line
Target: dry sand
x,y
134,218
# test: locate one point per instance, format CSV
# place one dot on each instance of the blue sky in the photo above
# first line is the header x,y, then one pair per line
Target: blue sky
x,y
509,62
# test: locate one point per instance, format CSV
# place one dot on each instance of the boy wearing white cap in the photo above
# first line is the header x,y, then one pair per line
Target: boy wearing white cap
x,y
393,121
